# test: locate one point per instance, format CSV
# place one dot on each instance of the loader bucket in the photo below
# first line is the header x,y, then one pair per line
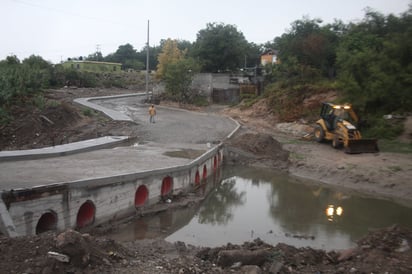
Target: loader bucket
x,y
362,146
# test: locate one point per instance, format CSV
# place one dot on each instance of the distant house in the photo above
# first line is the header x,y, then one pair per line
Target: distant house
x,y
269,57
93,66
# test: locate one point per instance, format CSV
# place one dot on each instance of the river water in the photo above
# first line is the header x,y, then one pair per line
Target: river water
x,y
249,203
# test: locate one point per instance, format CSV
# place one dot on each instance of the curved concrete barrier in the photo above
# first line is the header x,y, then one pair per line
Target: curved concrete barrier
x,y
95,201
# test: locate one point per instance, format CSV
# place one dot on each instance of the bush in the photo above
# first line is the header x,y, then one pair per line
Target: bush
x,y
200,101
39,101
4,116
88,112
381,128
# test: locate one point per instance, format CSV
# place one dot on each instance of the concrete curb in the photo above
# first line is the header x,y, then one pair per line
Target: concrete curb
x,y
62,150
115,115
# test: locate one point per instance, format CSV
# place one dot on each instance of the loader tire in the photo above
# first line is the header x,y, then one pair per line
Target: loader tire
x,y
319,133
336,143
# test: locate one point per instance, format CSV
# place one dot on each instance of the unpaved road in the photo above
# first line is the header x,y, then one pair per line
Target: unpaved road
x,y
173,125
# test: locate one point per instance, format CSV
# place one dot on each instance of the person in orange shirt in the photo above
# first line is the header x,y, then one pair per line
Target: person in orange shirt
x,y
152,113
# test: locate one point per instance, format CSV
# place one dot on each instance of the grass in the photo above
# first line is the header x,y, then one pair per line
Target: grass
x,y
88,112
296,156
394,168
394,146
350,166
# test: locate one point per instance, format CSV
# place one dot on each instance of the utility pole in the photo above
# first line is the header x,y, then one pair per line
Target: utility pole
x,y
97,55
147,63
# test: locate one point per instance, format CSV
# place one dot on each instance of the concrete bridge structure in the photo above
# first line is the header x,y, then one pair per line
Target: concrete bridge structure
x,y
101,180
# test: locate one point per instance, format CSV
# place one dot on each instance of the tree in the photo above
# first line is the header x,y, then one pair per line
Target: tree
x,y
153,53
169,54
19,80
176,70
252,55
38,73
311,45
375,63
178,78
125,54
97,56
220,47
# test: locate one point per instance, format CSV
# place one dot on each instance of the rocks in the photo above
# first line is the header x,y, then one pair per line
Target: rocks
x,y
244,257
381,251
75,245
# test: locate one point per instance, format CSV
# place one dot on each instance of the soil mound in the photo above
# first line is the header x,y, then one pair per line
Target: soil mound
x,y
382,251
59,121
256,149
386,250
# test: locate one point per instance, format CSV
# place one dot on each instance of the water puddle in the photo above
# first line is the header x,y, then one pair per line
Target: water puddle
x,y
251,203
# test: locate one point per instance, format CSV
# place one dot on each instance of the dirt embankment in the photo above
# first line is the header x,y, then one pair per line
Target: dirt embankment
x,y
383,251
270,144
384,175
59,120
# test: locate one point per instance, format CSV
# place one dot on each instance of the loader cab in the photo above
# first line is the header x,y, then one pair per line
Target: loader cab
x,y
332,114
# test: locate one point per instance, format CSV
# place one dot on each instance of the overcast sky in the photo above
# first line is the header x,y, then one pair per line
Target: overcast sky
x,y
58,29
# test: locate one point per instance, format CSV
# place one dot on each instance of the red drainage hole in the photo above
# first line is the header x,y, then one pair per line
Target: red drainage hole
x,y
197,178
47,221
215,163
141,195
167,186
204,172
86,213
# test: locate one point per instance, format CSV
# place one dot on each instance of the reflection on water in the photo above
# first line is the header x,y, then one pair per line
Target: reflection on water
x,y
251,203
333,213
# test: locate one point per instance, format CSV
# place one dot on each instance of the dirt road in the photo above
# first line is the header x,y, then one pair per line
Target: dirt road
x,y
173,125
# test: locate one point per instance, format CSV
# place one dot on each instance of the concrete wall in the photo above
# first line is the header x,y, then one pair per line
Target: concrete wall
x,y
211,85
96,201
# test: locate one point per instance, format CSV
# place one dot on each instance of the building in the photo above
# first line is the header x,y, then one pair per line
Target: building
x,y
269,57
93,66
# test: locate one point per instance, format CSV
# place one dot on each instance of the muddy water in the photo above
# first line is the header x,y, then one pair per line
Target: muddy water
x,y
250,203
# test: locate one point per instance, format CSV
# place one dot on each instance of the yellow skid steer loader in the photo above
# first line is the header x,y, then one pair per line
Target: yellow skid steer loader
x,y
337,125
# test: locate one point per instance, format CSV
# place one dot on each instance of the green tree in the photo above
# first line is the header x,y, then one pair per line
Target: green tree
x,y
177,71
375,63
153,53
20,81
38,73
178,79
126,55
97,56
220,47
308,46
252,55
